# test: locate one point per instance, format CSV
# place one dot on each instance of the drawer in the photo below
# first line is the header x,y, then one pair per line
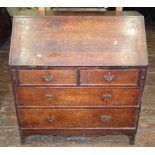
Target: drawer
x,y
78,118
109,77
47,77
43,96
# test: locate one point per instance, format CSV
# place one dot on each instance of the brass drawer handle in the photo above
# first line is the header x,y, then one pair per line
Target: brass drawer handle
x,y
47,77
48,96
109,77
106,96
104,118
50,118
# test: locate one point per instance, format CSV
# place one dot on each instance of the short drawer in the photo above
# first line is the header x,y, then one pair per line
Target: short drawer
x,y
47,77
109,77
78,118
43,96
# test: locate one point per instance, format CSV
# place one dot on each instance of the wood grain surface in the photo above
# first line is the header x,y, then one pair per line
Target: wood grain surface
x,y
78,41
78,72
38,96
56,77
75,118
116,77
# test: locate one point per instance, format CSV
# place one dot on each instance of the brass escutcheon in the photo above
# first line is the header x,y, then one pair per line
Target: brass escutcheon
x,y
107,96
105,118
109,77
49,96
47,77
50,118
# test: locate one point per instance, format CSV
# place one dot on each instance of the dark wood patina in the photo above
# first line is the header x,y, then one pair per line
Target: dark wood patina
x,y
78,74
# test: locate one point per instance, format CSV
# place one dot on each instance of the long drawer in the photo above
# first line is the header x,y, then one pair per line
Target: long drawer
x,y
109,77
78,118
45,96
47,77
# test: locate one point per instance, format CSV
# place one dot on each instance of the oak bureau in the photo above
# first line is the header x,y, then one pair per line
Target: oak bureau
x,y
78,74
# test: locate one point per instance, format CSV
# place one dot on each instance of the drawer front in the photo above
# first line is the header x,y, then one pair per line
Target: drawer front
x,y
47,77
43,96
109,77
77,118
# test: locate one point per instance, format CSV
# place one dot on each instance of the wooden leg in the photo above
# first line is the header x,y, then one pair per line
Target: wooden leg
x,y
132,139
22,140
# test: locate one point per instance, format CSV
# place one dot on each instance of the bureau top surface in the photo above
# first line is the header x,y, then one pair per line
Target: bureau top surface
x,y
79,40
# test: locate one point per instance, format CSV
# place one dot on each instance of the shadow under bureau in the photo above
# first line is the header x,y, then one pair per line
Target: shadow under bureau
x,y
78,74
